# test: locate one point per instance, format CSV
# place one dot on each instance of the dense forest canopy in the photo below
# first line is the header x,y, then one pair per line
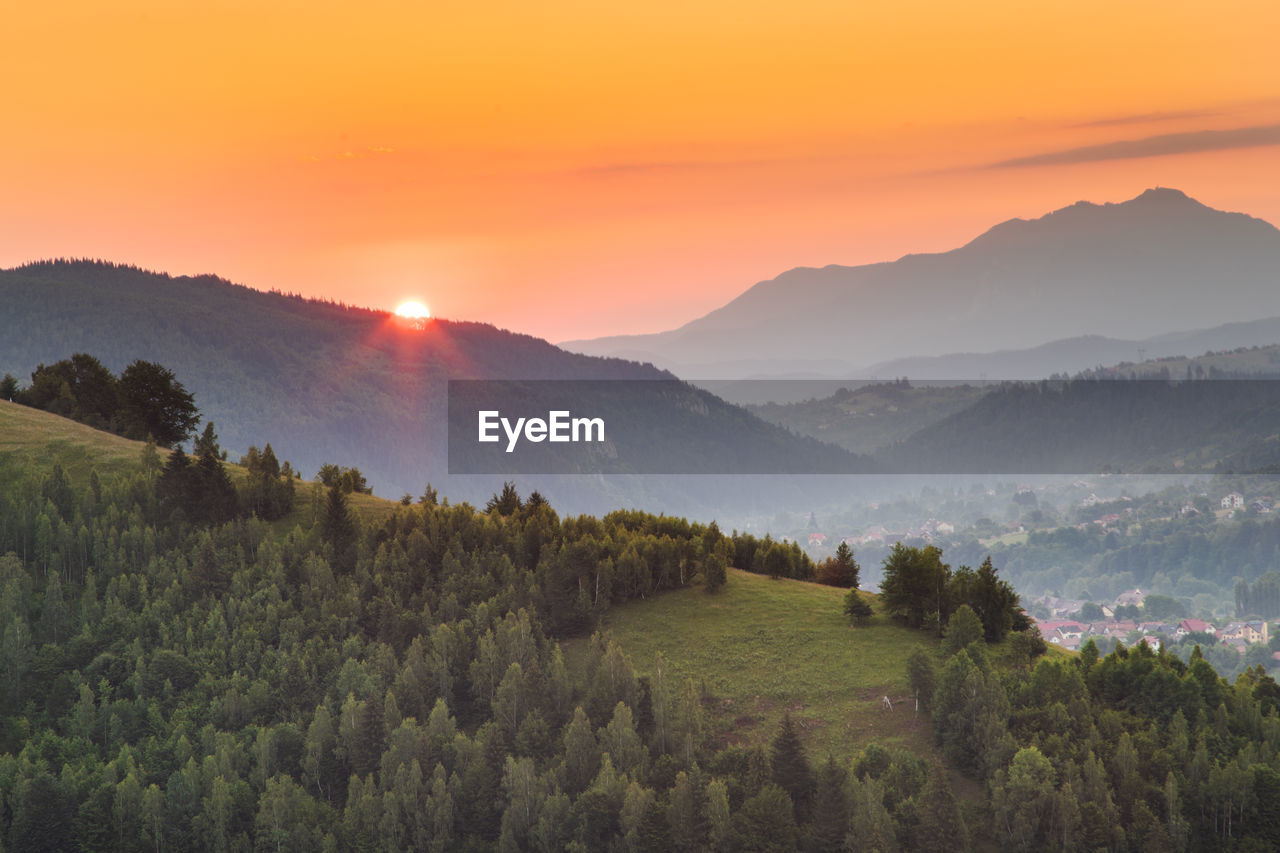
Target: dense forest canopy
x,y
174,680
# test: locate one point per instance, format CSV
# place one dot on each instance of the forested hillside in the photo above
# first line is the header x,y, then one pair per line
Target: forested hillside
x,y
1091,426
394,679
329,383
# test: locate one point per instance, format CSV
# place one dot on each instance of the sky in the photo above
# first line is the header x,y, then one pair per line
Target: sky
x,y
571,169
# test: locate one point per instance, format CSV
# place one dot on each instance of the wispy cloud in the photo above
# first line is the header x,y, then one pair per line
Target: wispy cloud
x,y
1145,118
1162,145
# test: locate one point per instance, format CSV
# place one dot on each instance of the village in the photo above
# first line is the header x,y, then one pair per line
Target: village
x,y
1069,622
1072,633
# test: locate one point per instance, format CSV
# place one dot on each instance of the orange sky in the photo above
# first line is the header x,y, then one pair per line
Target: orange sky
x,y
573,169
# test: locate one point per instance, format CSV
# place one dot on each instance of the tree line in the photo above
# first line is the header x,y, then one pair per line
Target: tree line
x,y
924,592
182,684
145,401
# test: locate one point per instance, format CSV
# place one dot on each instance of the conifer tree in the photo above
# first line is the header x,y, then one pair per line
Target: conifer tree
x,y
651,834
964,627
581,753
831,809
336,525
791,767
206,572
766,822
941,828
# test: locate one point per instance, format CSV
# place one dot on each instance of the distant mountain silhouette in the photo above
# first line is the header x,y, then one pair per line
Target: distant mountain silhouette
x,y
1093,426
329,383
1073,355
1147,267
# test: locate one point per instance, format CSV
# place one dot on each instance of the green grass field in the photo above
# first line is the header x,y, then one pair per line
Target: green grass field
x,y
1007,539
38,439
762,648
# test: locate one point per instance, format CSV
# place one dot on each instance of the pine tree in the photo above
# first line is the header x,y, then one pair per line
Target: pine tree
x,y
791,767
856,608
581,753
941,828
207,573
506,503
915,584
687,812
765,823
831,808
207,442
964,627
336,525
651,834
841,570
175,487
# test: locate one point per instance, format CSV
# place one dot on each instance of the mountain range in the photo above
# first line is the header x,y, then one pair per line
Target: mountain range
x,y
1097,279
325,382
328,383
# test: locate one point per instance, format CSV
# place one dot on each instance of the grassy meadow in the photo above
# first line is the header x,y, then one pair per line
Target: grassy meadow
x,y
760,648
35,438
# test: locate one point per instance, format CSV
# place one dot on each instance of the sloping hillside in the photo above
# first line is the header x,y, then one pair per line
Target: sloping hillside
x,y
760,648
327,383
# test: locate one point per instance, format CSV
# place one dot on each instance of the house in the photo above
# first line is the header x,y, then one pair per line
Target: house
x,y
1063,629
1260,506
1132,598
1194,626
817,538
1071,642
1188,510
1234,500
1062,607
1252,631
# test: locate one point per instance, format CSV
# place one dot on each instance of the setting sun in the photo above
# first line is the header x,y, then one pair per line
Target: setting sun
x,y
413,311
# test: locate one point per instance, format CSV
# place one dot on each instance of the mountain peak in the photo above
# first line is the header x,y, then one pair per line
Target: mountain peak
x,y
1165,195
1153,205
1126,270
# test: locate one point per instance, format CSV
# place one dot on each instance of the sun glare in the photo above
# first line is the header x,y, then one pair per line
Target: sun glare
x,y
413,311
